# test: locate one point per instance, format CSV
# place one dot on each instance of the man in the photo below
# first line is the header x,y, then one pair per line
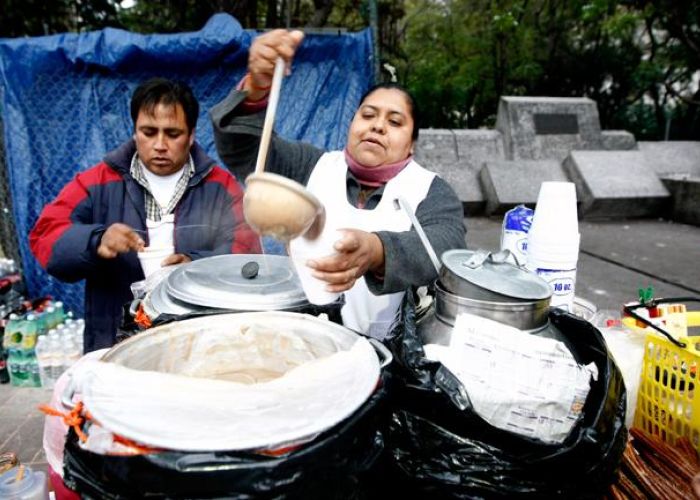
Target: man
x,y
158,189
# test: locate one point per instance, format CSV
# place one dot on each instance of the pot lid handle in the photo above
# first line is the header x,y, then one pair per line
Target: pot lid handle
x,y
250,270
480,256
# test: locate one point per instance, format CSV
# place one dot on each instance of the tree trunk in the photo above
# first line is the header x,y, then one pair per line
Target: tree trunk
x,y
321,14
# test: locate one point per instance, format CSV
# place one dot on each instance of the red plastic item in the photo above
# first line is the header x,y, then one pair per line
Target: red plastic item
x,y
60,490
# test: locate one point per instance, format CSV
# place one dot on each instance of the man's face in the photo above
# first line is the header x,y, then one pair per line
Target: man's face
x,y
162,139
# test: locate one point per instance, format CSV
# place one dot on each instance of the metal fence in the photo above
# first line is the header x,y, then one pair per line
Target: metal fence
x,y
8,231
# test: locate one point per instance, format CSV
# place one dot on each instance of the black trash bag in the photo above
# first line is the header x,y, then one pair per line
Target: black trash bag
x,y
332,466
437,445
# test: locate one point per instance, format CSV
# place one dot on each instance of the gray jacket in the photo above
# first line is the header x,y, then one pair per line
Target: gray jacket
x,y
407,264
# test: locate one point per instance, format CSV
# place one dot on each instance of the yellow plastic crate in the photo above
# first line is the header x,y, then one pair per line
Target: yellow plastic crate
x,y
668,401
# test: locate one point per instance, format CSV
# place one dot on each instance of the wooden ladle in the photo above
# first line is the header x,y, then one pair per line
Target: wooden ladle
x,y
274,205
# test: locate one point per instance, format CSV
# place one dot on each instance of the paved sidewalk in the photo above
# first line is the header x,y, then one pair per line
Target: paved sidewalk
x,y
22,424
616,258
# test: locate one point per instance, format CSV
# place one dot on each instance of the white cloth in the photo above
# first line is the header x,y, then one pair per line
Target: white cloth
x,y
210,384
364,312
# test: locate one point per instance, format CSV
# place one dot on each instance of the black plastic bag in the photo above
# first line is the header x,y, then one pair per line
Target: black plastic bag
x,y
129,327
332,466
438,445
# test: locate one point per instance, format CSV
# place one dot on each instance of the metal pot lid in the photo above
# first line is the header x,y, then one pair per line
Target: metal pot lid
x,y
240,282
163,303
492,272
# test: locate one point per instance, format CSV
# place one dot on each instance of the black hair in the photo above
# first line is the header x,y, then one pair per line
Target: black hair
x,y
168,92
413,108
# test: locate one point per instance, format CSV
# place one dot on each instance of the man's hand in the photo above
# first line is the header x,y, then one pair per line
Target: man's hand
x,y
358,253
262,56
176,258
119,238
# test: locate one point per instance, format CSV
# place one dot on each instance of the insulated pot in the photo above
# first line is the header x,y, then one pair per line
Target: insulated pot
x,y
486,285
323,464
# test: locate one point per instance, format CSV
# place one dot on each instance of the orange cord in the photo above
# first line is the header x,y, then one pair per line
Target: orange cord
x,y
142,449
73,418
142,318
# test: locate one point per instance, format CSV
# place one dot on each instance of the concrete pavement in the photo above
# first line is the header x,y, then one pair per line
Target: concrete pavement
x,y
616,258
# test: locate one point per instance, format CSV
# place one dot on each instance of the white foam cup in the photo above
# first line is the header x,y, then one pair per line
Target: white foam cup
x,y
152,257
302,250
555,218
553,241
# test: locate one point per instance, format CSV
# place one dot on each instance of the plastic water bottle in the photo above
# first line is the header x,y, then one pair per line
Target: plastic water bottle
x,y
516,225
15,366
33,370
56,350
44,359
49,316
13,332
4,371
59,313
30,331
71,350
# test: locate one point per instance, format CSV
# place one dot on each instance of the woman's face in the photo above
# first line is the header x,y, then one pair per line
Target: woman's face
x,y
380,132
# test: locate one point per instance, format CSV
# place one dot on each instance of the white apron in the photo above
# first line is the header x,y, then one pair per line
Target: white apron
x,y
365,312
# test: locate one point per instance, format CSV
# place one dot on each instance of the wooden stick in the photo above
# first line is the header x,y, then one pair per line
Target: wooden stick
x,y
20,474
273,99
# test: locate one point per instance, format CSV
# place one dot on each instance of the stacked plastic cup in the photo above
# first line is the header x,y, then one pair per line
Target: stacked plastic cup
x,y
553,241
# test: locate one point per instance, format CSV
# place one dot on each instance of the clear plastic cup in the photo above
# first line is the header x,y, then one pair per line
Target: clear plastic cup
x,y
151,258
302,250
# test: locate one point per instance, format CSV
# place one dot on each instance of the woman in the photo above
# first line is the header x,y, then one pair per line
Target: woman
x,y
380,255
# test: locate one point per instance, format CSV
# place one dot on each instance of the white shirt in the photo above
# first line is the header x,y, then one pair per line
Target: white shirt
x,y
162,187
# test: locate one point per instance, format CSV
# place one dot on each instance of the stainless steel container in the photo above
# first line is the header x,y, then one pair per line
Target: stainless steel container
x,y
489,286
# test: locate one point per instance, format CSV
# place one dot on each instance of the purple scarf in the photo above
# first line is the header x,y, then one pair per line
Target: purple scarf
x,y
374,176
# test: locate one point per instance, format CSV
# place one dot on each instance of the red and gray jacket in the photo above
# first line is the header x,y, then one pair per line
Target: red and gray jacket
x,y
208,221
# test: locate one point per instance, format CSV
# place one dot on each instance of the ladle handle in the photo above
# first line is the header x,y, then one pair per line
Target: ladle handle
x,y
273,99
406,207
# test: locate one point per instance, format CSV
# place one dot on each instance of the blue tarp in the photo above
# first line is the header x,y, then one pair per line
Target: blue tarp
x,y
65,103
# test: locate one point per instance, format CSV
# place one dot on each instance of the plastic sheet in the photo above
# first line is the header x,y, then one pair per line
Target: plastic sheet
x,y
65,103
230,382
437,445
335,465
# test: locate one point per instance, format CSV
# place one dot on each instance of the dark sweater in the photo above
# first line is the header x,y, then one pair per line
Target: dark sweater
x,y
237,137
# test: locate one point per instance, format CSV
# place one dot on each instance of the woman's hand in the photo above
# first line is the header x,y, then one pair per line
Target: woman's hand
x,y
263,53
358,253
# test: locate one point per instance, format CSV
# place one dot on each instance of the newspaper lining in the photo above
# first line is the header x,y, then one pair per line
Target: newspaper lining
x,y
528,385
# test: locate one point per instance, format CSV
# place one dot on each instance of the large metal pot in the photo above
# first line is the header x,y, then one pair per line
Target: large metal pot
x,y
237,283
